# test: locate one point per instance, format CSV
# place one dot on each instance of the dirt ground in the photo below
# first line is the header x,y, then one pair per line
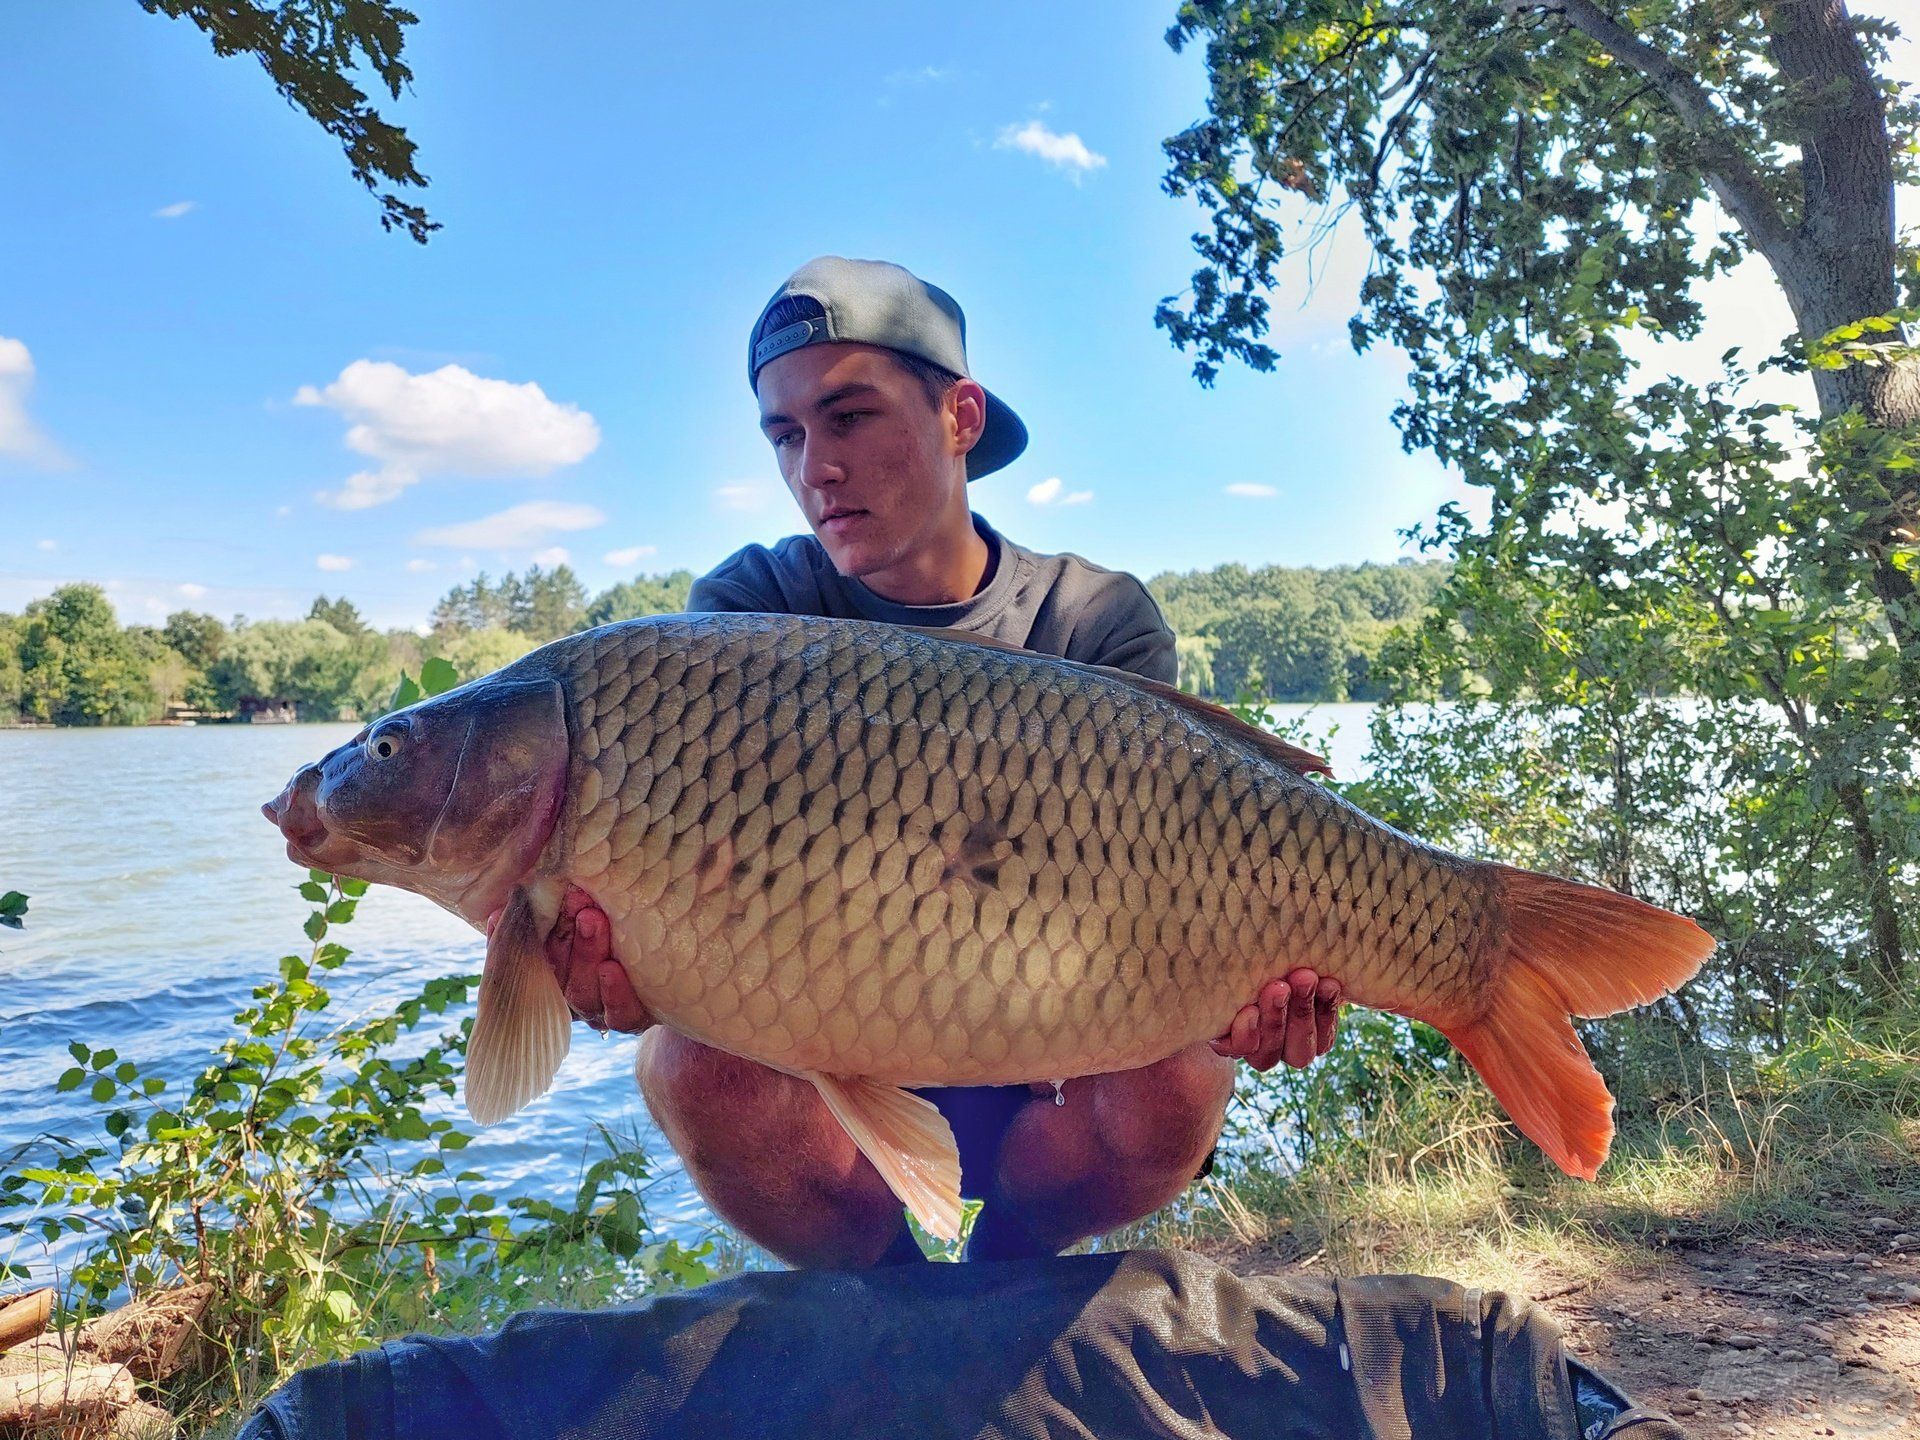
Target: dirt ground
x,y
1784,1337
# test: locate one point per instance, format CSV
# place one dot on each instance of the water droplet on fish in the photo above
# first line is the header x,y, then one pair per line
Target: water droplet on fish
x,y
1059,1095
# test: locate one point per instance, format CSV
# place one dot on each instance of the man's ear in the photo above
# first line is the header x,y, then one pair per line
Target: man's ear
x,y
966,409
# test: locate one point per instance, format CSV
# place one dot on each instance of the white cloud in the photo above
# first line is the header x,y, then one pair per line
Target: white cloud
x,y
925,75
46,544
1248,490
175,210
743,495
447,421
1048,492
333,562
1066,152
552,555
18,434
421,567
284,511
630,555
191,590
510,529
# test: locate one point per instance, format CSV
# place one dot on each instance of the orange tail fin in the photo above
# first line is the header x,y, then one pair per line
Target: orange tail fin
x,y
1570,950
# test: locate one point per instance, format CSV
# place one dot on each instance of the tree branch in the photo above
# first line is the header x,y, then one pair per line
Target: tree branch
x,y
1735,182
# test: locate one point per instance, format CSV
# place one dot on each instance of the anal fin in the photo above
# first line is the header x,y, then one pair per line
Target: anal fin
x,y
909,1142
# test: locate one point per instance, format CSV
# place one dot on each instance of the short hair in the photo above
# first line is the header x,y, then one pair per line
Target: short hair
x,y
935,380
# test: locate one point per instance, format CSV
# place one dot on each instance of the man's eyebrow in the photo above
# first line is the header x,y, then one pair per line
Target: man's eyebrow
x,y
825,402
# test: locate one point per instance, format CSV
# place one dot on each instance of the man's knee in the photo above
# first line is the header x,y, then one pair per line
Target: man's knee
x,y
712,1103
1166,1117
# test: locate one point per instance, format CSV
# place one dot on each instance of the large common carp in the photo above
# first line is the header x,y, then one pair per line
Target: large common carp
x,y
879,857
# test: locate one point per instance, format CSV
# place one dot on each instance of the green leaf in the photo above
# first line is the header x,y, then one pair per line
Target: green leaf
x,y
314,891
404,694
70,1079
103,1058
78,1051
316,926
102,1089
437,676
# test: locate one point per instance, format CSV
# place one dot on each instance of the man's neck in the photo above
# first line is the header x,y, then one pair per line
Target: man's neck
x,y
944,576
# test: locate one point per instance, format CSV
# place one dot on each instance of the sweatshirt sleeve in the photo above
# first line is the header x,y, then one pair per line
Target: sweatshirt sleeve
x,y
1126,630
743,581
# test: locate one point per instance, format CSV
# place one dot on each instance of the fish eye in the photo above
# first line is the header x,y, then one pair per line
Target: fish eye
x,y
385,744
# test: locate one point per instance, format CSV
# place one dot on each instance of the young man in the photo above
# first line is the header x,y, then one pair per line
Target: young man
x,y
864,393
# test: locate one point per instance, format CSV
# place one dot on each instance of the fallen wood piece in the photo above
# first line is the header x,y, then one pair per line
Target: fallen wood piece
x,y
85,1392
147,1335
24,1316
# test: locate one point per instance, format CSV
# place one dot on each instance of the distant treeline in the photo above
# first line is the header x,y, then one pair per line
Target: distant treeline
x,y
1287,634
1292,633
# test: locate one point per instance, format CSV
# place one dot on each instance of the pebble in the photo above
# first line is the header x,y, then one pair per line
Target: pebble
x,y
1696,1394
1867,1347
1882,1223
1740,1341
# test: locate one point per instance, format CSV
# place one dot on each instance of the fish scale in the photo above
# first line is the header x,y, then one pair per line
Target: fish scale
x,y
969,809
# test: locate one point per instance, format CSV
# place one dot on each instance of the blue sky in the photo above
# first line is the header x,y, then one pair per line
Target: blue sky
x,y
224,387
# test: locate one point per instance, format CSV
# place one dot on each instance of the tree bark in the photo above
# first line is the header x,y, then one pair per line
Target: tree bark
x,y
1842,269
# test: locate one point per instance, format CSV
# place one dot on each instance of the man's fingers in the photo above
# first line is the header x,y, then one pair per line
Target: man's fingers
x,y
1326,1014
1300,1030
623,1010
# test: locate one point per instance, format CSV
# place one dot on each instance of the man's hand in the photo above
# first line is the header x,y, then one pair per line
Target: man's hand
x,y
595,984
1292,1020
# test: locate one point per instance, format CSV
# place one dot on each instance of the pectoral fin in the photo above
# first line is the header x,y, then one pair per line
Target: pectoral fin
x,y
524,1026
909,1142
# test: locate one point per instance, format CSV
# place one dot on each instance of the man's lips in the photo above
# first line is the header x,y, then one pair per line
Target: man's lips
x,y
842,519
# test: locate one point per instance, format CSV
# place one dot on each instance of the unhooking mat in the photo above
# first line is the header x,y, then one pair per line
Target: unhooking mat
x,y
1114,1346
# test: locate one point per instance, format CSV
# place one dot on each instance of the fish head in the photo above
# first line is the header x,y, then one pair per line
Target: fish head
x,y
453,798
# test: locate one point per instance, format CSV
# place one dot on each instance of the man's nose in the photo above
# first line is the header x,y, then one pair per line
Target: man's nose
x,y
820,465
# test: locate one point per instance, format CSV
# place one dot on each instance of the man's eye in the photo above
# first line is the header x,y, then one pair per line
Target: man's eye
x,y
784,438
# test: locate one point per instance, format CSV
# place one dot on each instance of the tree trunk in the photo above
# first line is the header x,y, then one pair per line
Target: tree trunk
x,y
1839,268
1883,912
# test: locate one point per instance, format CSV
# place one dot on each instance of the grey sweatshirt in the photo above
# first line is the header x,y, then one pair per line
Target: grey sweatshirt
x,y
1054,604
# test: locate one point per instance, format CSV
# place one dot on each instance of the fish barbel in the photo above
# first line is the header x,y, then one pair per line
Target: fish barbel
x,y
879,857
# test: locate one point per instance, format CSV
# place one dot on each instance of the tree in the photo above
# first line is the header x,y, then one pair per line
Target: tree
x,y
308,48
78,666
12,677
340,614
197,638
305,662
642,595
1531,178
543,606
550,603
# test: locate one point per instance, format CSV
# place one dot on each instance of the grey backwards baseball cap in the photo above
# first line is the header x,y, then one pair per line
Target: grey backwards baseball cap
x,y
873,302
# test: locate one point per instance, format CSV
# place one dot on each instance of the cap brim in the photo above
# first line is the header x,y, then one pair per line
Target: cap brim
x,y
1000,442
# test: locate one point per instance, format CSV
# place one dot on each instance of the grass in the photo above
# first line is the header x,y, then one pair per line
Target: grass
x,y
1712,1144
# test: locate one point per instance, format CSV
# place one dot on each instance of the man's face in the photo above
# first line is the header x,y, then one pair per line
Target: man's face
x,y
873,464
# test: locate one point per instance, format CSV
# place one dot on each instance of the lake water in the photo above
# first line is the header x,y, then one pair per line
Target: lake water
x,y
159,896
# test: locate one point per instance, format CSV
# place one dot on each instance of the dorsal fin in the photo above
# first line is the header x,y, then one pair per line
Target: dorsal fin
x,y
1301,762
